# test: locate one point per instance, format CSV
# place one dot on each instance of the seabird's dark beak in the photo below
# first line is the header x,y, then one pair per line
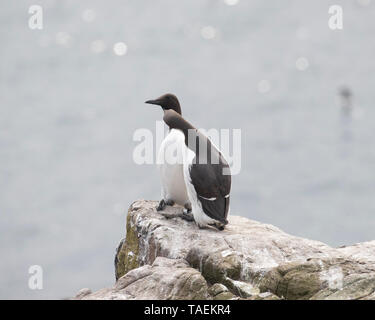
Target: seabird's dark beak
x,y
156,101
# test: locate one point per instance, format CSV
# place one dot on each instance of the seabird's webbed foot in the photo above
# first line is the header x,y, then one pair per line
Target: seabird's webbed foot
x,y
187,215
169,202
163,203
219,226
187,206
213,226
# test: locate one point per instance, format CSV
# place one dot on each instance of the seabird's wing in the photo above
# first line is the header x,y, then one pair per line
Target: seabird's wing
x,y
213,188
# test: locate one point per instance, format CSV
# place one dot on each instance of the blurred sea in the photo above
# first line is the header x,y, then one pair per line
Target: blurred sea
x,y
69,107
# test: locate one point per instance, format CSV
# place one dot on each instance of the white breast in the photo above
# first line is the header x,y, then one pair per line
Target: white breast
x,y
170,163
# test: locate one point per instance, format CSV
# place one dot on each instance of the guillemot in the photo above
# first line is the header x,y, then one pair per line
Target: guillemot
x,y
204,166
171,172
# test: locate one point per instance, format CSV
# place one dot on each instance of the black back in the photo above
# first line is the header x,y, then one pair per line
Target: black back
x,y
207,170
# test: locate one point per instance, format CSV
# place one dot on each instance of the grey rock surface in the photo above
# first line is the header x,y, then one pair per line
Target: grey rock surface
x,y
166,257
165,279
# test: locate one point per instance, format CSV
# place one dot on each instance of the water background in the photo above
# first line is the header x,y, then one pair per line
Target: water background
x,y
69,107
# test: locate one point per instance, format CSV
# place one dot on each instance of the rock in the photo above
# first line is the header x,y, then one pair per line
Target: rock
x,y
339,277
217,288
226,295
127,251
83,292
247,260
220,292
242,289
165,279
264,296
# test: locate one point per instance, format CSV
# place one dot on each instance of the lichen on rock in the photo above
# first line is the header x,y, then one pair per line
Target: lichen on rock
x,y
127,251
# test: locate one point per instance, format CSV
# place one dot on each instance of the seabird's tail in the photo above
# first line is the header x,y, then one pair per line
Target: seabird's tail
x,y
216,208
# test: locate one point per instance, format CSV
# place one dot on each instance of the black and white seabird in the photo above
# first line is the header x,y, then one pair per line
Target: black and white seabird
x,y
207,186
171,174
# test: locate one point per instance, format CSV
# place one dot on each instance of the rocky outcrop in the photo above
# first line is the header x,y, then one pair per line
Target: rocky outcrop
x,y
165,257
164,279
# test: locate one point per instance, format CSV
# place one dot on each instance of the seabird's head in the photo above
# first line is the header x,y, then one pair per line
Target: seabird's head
x,y
167,101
